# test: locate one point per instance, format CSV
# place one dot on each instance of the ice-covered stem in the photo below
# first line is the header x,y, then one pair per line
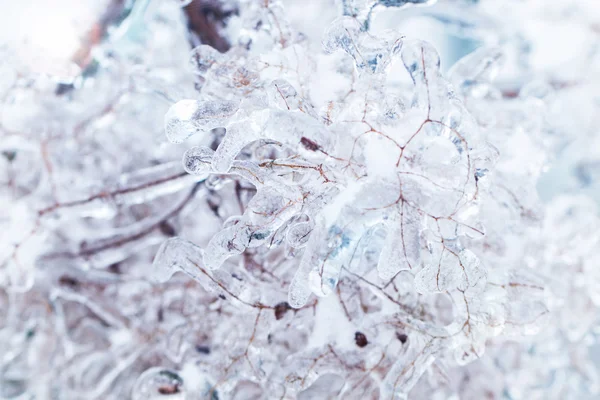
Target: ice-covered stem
x,y
109,250
177,254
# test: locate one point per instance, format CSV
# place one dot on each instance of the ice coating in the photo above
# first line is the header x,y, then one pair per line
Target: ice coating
x,y
401,249
400,194
348,223
189,117
159,383
389,182
196,160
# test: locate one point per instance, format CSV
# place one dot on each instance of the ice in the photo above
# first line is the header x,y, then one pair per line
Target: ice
x,y
203,58
189,117
226,243
237,136
197,160
175,255
406,199
475,72
343,33
449,269
159,383
298,234
300,290
402,248
268,210
423,63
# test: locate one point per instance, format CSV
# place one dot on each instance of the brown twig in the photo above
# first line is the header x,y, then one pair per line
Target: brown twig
x,y
204,18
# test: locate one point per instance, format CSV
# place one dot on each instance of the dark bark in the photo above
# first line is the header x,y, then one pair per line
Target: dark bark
x,y
205,19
